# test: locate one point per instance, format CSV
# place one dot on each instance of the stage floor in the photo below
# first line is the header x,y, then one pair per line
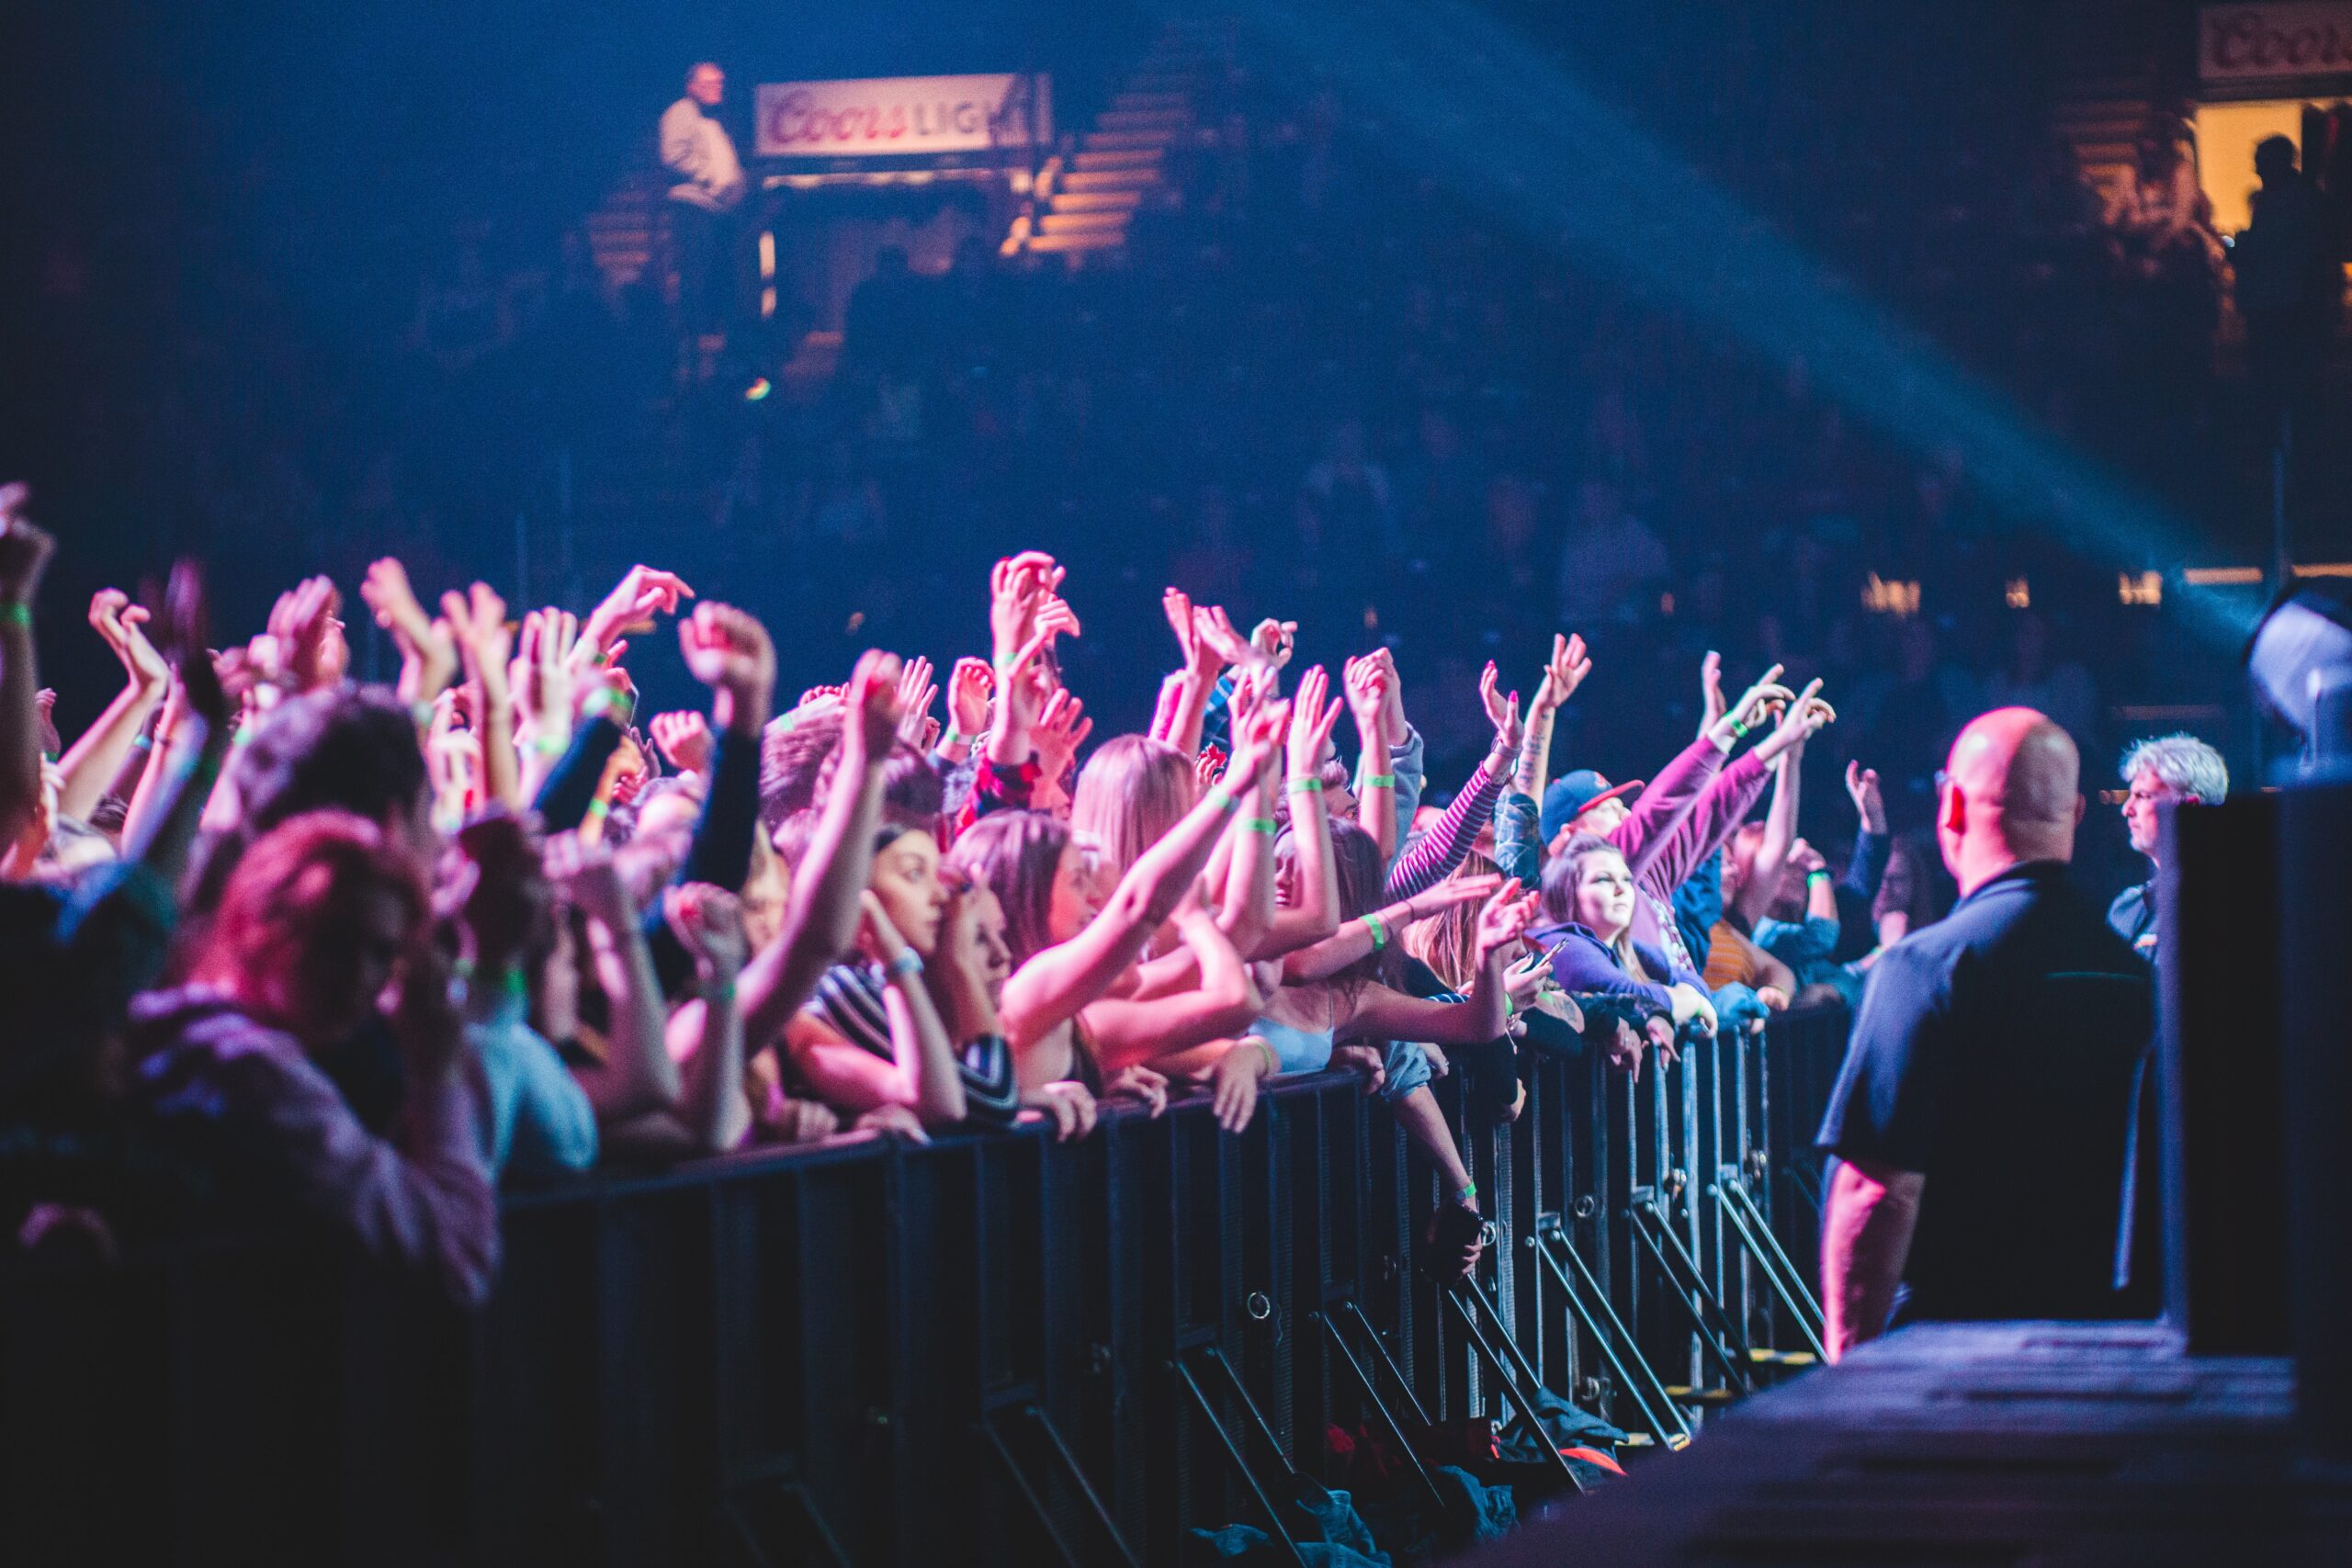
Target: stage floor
x,y
2016,1444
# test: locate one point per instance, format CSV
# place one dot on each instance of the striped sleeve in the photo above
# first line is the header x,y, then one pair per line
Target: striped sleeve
x,y
991,1089
849,1002
1446,846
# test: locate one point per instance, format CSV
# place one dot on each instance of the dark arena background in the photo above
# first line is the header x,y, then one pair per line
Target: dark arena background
x,y
1341,782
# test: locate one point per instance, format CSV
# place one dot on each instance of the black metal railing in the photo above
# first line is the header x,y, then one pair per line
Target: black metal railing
x,y
986,1349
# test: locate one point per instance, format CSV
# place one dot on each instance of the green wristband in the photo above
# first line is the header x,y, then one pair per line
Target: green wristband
x,y
1380,780
17,613
1379,930
1220,798
1306,784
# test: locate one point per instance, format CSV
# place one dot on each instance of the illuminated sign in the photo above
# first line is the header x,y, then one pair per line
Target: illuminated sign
x,y
2263,43
902,115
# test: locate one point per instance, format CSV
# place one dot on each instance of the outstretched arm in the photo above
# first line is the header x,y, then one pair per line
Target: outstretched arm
x,y
1054,985
23,554
90,767
822,921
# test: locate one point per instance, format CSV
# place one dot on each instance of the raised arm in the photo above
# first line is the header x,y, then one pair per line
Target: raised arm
x,y
90,767
1569,666
822,919
1382,1013
1371,932
542,682
160,829
638,1075
705,1034
24,555
1317,913
1364,682
478,622
1127,1033
1872,840
1056,984
428,656
1445,845
1662,810
921,1072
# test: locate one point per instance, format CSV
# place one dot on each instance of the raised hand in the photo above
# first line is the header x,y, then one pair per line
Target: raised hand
x,y
969,689
303,627
187,624
1804,718
428,656
1761,701
1365,682
478,624
1311,722
585,877
1276,640
1256,742
1861,787
1177,605
1393,697
1505,915
684,739
1805,858
709,925
1712,704
24,549
1446,895
1502,712
642,592
1216,631
870,705
917,690
541,677
1568,667
1019,589
728,651
1056,618
114,618
1059,731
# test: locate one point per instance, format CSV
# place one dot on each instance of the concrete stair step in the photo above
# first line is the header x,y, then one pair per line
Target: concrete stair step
x,y
1131,158
1111,179
1098,201
1144,119
1090,240
1123,140
1060,222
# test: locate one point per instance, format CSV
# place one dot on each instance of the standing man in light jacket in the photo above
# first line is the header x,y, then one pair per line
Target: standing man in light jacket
x,y
700,157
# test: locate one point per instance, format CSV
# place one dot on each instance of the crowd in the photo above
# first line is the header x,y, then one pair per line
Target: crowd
x,y
287,946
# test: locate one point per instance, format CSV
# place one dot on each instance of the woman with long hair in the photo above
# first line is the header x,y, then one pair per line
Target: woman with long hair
x,y
1069,1009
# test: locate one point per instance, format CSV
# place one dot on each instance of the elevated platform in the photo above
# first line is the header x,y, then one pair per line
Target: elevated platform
x,y
2019,1445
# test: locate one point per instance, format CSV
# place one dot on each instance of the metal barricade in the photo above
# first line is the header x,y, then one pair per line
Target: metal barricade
x,y
990,1349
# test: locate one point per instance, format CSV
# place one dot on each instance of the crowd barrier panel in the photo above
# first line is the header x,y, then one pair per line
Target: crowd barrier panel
x,y
986,1349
